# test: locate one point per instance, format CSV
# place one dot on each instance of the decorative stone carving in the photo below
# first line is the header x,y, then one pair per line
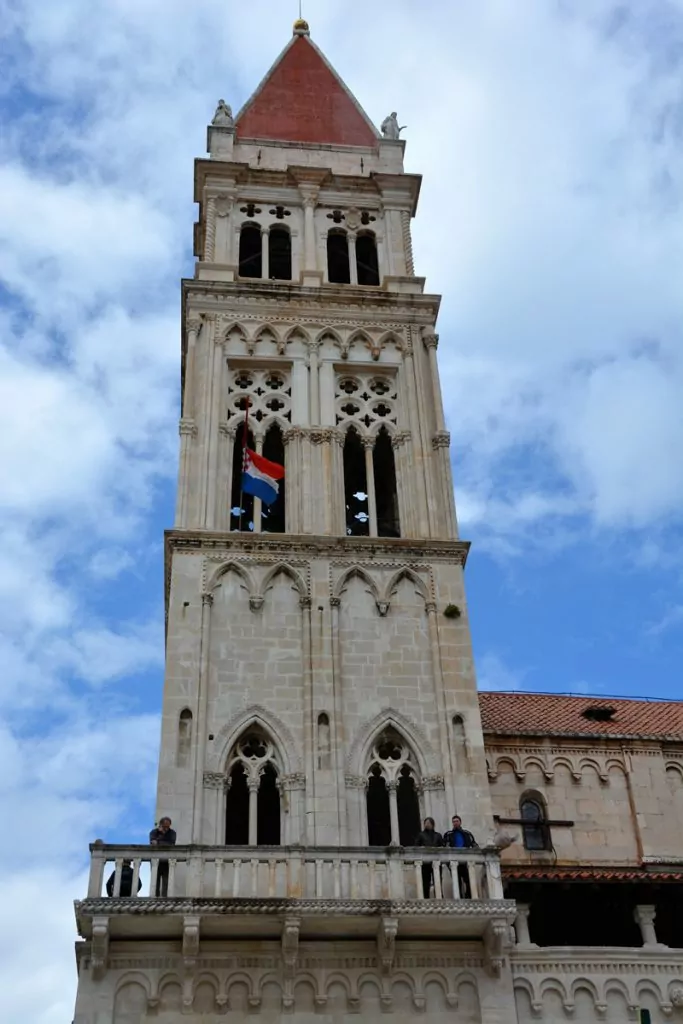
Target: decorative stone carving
x,y
216,780
223,117
442,439
190,941
224,204
390,127
290,945
256,602
433,782
297,780
676,997
386,944
400,438
99,947
430,339
382,607
496,945
187,427
356,782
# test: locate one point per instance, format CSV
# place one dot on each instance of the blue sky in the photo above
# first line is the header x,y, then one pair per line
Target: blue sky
x,y
550,219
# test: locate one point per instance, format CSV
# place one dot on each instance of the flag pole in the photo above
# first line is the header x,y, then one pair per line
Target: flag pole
x,y
245,438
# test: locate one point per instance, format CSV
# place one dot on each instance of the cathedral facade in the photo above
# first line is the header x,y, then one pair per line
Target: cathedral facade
x,y
320,698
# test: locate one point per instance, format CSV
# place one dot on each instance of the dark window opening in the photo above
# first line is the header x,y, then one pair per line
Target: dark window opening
x,y
237,809
250,251
324,742
536,834
251,209
355,487
645,1017
268,813
241,505
184,738
379,816
338,270
408,808
581,913
366,260
599,714
280,254
386,496
273,516
280,212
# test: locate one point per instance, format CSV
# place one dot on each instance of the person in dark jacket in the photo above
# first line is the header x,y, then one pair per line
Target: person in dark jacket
x,y
428,837
459,838
126,886
162,835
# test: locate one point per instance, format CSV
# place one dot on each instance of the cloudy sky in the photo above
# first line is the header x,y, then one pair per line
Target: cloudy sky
x,y
550,219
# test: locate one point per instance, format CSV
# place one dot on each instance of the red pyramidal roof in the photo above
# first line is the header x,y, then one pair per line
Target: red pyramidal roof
x,y
302,99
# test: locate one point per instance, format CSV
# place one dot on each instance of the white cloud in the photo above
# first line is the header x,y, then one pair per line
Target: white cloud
x,y
494,674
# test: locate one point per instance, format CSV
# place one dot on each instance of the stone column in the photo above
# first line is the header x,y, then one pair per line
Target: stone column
x,y
253,784
200,718
338,494
193,327
187,430
431,342
309,755
437,676
353,265
258,442
522,925
314,383
310,201
265,254
418,488
210,230
226,451
214,438
644,915
393,812
380,257
337,731
397,443
369,445
224,207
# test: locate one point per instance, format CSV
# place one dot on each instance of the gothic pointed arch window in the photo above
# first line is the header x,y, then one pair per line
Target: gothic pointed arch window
x,y
386,495
355,486
250,251
366,259
253,806
534,814
393,793
338,267
273,516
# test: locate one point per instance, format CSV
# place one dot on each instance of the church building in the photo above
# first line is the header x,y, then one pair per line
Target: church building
x,y
320,697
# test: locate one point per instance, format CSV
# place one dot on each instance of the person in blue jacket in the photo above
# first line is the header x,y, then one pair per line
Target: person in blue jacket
x,y
459,838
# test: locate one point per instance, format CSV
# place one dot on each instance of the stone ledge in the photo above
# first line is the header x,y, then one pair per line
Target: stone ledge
x,y
309,908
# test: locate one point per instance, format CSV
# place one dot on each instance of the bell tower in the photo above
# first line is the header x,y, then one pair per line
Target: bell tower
x,y
319,698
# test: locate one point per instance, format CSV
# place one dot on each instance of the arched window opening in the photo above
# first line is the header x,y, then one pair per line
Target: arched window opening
x,y
338,270
324,742
273,516
355,487
184,738
253,802
379,816
393,804
237,808
241,505
268,809
536,834
366,259
280,254
250,251
409,823
386,495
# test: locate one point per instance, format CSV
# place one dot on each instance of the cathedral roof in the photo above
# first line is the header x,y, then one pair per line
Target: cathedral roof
x,y
303,99
538,714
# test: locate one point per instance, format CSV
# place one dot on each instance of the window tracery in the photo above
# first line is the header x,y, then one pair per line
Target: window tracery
x,y
253,799
366,401
393,792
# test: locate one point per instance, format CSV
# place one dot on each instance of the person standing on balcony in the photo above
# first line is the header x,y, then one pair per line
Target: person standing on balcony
x,y
126,886
428,837
162,835
459,838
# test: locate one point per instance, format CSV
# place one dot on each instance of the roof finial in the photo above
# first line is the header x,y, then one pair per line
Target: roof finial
x,y
301,25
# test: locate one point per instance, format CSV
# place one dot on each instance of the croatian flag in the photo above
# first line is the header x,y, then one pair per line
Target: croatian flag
x,y
260,477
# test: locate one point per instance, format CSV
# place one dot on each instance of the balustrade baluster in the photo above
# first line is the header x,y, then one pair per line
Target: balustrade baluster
x,y
154,865
272,867
236,866
319,892
136,876
337,879
171,877
454,877
418,879
96,879
118,867
473,868
436,875
218,878
254,877
371,874
354,879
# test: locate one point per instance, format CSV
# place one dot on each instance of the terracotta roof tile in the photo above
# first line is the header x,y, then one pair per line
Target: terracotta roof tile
x,y
588,873
554,714
302,99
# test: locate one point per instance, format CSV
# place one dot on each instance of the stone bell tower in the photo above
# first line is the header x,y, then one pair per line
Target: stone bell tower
x,y
320,697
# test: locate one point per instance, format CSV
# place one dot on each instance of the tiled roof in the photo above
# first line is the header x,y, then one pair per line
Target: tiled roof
x,y
546,714
588,873
303,99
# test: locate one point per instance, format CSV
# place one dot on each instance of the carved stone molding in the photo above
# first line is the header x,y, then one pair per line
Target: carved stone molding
x,y
187,427
430,339
290,945
400,438
228,430
356,782
386,944
216,780
209,906
497,943
191,926
297,780
433,782
442,439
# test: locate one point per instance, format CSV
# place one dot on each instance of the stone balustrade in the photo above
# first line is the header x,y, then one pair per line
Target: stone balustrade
x,y
320,873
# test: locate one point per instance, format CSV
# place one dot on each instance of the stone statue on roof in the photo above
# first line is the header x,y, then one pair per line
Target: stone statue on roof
x,y
390,127
223,117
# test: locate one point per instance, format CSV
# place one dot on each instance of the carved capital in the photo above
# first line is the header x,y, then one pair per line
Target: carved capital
x,y
305,602
442,439
433,782
215,780
187,427
430,339
297,780
226,429
386,944
356,782
400,438
309,196
292,434
430,607
335,602
193,323
368,442
99,947
321,436
207,599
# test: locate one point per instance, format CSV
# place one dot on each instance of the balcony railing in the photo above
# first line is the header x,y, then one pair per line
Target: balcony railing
x,y
320,873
